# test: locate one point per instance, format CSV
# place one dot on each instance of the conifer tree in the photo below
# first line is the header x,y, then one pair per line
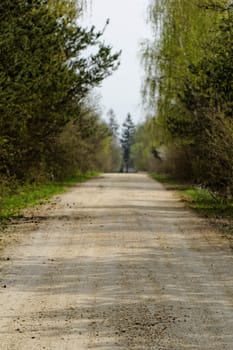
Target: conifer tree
x,y
126,140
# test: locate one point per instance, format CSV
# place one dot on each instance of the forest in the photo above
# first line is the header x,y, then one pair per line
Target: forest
x,y
188,93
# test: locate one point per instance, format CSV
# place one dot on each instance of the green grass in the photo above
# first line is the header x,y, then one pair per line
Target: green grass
x,y
170,182
34,194
206,204
162,178
201,200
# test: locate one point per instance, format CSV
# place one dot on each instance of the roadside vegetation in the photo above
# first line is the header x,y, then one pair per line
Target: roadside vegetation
x,y
200,199
217,209
50,123
30,195
188,132
186,140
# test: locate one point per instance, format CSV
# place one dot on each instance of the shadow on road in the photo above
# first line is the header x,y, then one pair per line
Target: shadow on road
x,y
141,275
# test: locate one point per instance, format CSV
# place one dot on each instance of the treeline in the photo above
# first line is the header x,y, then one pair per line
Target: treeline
x,y
49,127
188,89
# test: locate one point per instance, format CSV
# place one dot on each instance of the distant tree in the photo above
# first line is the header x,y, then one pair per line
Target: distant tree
x,y
113,123
114,154
126,140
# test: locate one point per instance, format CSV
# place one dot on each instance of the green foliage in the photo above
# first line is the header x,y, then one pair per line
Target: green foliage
x,y
189,76
144,149
45,77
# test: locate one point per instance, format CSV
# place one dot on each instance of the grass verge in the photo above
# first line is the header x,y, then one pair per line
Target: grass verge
x,y
30,195
201,200
218,211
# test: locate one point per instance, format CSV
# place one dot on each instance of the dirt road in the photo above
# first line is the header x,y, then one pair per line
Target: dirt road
x,y
116,263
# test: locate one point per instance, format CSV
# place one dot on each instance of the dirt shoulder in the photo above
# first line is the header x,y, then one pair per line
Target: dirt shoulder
x,y
218,215
116,263
19,227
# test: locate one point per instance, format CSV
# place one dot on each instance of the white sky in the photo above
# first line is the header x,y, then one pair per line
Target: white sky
x,y
127,28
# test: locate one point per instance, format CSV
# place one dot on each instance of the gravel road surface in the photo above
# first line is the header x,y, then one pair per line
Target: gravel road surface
x,y
116,263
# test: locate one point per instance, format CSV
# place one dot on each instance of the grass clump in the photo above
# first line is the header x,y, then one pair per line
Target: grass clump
x,y
28,195
206,203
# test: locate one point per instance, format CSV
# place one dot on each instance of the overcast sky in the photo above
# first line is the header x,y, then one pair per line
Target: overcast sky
x,y
127,28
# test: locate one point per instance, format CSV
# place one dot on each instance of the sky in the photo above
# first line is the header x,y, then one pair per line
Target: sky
x,y
127,28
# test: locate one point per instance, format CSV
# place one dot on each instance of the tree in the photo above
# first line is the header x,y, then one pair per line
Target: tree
x,y
113,123
187,85
115,150
145,150
126,140
45,75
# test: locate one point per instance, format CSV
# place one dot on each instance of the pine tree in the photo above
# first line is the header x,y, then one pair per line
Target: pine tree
x,y
114,127
126,140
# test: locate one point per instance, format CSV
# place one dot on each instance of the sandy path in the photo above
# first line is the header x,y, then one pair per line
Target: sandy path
x,y
117,263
